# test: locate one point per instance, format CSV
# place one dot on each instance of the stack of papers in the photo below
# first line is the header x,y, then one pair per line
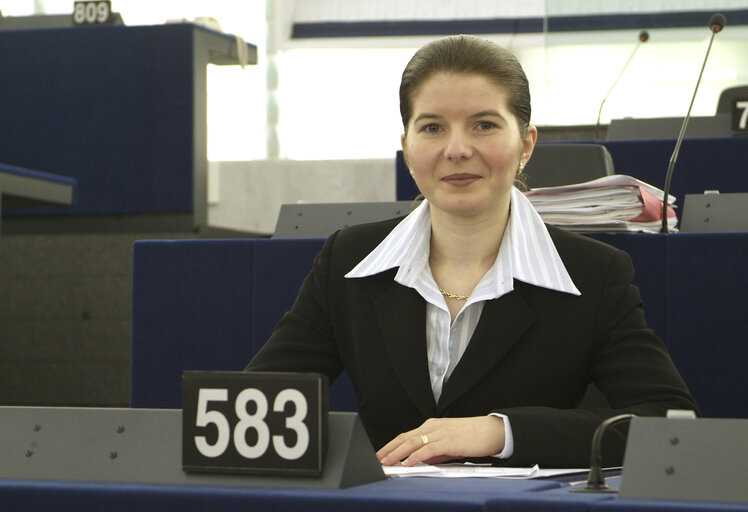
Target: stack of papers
x,y
613,203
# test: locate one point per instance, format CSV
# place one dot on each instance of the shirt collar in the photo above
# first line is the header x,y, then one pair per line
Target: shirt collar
x,y
527,244
406,247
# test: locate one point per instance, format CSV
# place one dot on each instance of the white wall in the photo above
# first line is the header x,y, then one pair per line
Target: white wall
x,y
250,194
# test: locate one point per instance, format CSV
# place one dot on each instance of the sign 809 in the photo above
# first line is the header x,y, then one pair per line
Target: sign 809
x,y
94,12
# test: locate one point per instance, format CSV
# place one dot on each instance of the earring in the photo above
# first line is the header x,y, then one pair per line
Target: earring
x,y
521,168
410,171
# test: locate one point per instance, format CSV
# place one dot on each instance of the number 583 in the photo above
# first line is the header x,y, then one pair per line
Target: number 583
x,y
254,422
255,400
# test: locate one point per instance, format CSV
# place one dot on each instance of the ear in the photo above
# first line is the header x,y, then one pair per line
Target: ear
x,y
403,146
528,143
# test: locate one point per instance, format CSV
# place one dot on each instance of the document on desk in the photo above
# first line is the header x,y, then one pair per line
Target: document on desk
x,y
483,471
615,203
460,471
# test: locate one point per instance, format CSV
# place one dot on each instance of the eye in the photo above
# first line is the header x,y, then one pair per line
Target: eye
x,y
486,125
431,128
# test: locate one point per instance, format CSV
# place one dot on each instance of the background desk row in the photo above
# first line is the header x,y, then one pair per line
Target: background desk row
x,y
23,188
717,163
211,304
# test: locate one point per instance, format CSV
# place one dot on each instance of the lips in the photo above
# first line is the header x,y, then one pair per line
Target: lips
x,y
461,179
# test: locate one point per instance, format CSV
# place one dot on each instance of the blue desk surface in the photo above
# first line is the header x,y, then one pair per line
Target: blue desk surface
x,y
407,495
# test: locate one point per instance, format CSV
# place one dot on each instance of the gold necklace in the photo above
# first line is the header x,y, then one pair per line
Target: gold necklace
x,y
454,296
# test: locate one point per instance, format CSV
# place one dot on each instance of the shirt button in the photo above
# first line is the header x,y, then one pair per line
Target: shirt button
x,y
439,372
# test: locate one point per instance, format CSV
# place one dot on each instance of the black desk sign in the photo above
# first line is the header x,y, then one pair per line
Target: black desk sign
x,y
254,422
92,12
740,116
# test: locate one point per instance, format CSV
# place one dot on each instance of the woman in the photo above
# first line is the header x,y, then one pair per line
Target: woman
x,y
470,329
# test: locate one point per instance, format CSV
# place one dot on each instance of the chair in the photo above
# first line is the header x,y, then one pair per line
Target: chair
x,y
320,220
563,164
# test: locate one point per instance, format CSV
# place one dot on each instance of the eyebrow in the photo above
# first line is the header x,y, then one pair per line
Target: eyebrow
x,y
482,113
423,116
485,113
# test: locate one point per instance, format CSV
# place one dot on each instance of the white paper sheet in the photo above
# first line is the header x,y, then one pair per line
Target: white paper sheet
x,y
484,471
459,471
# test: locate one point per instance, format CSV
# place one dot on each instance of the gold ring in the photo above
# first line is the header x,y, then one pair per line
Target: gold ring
x,y
425,439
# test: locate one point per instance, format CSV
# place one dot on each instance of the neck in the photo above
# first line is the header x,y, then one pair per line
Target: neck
x,y
462,251
466,241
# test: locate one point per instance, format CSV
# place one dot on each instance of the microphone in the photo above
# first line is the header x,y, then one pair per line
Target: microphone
x,y
716,24
643,38
596,480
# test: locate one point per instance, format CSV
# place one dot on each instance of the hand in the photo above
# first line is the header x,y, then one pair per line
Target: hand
x,y
441,439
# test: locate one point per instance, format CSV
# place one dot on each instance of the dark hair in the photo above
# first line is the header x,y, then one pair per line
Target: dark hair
x,y
468,55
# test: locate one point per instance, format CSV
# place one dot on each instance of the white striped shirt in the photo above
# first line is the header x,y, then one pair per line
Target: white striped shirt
x,y
527,254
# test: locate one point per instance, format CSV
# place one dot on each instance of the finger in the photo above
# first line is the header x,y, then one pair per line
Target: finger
x,y
430,453
422,457
397,442
401,447
384,450
427,452
402,450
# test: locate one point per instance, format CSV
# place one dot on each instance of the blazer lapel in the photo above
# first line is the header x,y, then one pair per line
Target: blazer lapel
x,y
402,319
502,323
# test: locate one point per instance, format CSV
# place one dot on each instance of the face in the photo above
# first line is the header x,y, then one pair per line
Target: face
x,y
463,145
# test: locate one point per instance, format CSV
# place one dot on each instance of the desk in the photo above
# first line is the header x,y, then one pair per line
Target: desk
x,y
703,164
23,188
407,495
122,109
211,304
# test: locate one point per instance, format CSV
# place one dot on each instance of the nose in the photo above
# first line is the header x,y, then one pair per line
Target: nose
x,y
458,146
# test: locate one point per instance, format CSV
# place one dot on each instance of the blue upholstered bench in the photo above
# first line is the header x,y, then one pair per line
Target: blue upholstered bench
x,y
210,305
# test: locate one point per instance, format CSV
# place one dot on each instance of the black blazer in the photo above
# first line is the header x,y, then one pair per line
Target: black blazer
x,y
532,356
